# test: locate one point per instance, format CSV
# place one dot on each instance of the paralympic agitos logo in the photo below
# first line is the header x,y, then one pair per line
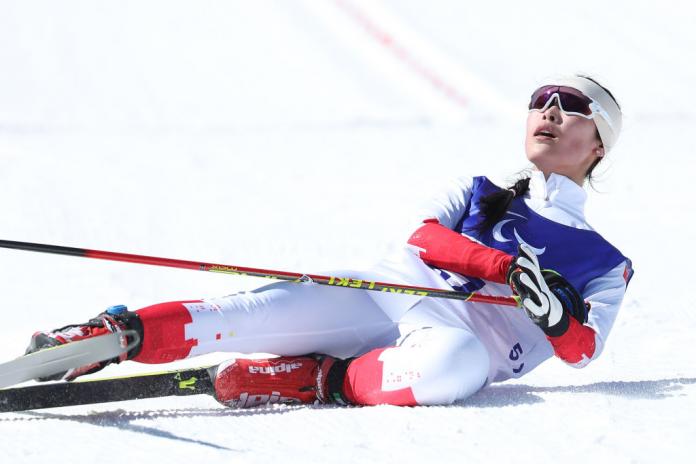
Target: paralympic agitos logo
x,y
499,237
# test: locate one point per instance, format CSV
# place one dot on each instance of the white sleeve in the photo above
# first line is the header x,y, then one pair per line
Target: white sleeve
x,y
450,204
605,295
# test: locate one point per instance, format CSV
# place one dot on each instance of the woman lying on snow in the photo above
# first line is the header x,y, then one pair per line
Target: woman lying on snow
x,y
360,347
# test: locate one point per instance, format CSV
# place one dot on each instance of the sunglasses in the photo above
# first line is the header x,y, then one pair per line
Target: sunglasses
x,y
571,101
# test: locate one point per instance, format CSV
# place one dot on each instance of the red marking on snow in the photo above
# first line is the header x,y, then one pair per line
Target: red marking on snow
x,y
164,337
401,53
218,336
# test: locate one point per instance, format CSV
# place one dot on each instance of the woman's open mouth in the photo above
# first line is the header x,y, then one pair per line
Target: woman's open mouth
x,y
545,134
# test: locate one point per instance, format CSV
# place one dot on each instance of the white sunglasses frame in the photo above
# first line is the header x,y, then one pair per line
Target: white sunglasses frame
x,y
595,107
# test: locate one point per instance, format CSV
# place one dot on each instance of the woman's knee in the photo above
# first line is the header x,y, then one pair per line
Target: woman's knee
x,y
454,362
428,367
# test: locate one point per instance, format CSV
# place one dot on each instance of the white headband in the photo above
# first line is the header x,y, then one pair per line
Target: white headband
x,y
606,113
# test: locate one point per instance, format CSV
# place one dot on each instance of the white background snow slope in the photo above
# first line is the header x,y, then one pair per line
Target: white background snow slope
x,y
301,135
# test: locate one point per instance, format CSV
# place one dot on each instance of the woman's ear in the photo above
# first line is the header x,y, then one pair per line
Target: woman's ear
x,y
599,151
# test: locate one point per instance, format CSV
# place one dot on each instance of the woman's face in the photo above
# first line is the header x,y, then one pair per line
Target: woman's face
x,y
562,144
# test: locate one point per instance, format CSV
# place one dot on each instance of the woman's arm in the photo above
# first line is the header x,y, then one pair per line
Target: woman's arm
x,y
582,343
444,248
438,245
552,303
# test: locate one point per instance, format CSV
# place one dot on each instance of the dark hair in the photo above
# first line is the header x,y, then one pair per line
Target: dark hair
x,y
494,206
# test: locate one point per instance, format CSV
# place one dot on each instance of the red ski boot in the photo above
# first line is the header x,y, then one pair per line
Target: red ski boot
x,y
244,383
115,319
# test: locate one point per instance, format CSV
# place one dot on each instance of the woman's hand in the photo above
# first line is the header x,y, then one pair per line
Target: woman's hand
x,y
546,296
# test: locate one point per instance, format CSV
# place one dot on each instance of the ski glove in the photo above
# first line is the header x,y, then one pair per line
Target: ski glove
x,y
547,297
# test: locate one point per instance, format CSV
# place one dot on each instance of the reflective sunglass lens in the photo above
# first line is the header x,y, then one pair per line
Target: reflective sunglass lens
x,y
571,100
541,96
575,102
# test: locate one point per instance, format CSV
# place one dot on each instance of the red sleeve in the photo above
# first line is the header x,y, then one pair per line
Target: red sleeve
x,y
446,249
577,342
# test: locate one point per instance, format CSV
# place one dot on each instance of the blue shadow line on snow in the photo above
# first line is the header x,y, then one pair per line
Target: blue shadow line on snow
x,y
512,395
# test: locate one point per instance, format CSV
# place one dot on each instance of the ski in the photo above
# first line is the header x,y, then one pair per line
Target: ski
x,y
62,358
184,382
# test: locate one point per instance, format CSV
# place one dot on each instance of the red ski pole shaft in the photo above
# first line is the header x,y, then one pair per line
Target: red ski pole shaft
x,y
336,281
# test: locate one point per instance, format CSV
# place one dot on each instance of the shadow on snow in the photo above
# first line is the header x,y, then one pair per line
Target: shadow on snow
x,y
492,396
512,395
123,420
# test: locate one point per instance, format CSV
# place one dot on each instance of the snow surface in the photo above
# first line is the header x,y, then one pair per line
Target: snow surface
x,y
299,135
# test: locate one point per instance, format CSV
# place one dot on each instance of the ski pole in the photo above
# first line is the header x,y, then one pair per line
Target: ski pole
x,y
336,281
